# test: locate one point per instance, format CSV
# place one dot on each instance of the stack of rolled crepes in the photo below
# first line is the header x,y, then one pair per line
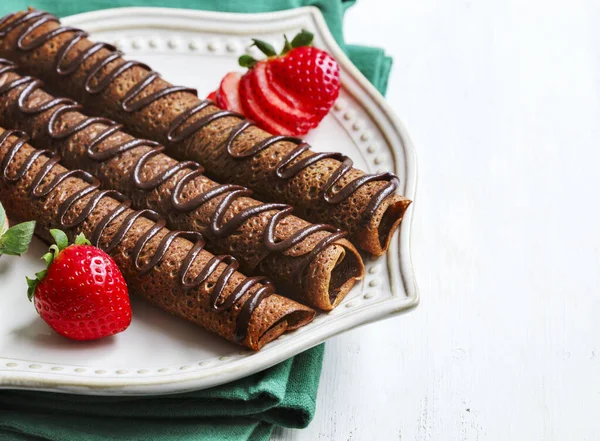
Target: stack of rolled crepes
x,y
322,187
312,263
169,268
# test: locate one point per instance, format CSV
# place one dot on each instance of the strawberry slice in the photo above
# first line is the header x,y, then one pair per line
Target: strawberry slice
x,y
228,96
212,96
252,110
290,97
282,92
275,105
318,112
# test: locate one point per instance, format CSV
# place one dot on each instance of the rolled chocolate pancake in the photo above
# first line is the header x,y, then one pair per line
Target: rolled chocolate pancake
x,y
165,267
312,263
323,187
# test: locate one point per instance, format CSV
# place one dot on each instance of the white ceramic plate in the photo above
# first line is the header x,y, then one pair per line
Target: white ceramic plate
x,y
160,353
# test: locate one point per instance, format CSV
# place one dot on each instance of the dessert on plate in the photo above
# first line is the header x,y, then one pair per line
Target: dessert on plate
x,y
182,240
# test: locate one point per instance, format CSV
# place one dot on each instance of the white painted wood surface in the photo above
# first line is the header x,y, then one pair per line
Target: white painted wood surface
x,y
501,99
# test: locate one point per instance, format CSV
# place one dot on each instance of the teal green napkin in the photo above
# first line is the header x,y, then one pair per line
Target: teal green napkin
x,y
246,409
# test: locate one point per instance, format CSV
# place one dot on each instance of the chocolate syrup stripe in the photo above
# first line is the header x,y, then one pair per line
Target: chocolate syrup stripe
x,y
180,129
218,228
37,190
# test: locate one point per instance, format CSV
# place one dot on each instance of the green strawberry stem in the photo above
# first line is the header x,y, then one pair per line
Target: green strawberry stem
x,y
62,242
287,46
304,38
15,240
247,61
264,47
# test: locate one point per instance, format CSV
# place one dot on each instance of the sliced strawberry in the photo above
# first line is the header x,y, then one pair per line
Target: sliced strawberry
x,y
219,101
228,96
298,121
212,96
287,104
289,96
290,92
252,109
282,93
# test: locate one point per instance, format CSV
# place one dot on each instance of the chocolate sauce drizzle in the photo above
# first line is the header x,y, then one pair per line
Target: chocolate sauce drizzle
x,y
218,304
179,129
217,227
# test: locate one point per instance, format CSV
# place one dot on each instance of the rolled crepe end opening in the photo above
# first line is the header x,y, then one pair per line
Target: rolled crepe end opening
x,y
333,273
288,321
389,222
376,238
348,270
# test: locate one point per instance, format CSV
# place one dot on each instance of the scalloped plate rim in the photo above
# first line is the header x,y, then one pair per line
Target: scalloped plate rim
x,y
254,362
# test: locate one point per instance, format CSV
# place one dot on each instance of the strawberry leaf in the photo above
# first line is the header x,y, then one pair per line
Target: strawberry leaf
x,y
3,220
48,258
81,240
31,285
287,46
15,241
304,38
247,61
264,47
62,242
54,250
61,239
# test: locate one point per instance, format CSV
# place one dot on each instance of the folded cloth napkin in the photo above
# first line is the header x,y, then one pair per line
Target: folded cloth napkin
x,y
247,409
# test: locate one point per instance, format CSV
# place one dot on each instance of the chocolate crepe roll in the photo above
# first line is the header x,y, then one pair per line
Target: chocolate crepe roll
x,y
164,266
323,187
310,262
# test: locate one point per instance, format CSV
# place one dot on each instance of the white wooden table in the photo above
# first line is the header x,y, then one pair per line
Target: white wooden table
x,y
502,101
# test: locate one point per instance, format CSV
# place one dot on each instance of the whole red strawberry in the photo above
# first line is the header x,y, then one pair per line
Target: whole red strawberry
x,y
82,294
287,94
